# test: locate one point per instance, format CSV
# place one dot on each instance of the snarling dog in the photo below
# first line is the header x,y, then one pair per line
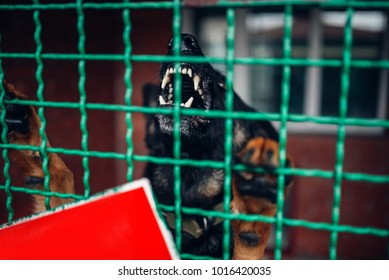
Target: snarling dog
x,y
202,138
23,126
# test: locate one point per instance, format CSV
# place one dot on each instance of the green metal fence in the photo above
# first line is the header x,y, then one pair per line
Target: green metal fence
x,y
127,58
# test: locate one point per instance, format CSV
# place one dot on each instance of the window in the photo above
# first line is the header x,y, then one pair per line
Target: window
x,y
316,35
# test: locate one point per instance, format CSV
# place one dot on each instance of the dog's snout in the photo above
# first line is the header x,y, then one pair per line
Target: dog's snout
x,y
188,46
188,43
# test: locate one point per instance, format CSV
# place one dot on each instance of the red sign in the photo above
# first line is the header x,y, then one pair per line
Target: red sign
x,y
119,224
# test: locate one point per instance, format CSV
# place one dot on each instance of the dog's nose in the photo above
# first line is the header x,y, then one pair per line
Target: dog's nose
x,y
188,43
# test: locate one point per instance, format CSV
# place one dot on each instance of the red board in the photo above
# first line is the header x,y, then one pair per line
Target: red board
x,y
120,224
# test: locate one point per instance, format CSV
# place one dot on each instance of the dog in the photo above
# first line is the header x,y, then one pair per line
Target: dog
x,y
255,143
23,126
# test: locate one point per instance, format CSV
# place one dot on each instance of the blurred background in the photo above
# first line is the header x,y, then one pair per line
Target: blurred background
x,y
316,34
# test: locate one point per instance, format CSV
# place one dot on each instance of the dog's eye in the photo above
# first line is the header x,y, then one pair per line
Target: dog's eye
x,y
170,44
37,155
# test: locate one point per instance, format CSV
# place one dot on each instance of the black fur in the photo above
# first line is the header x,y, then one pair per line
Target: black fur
x,y
202,139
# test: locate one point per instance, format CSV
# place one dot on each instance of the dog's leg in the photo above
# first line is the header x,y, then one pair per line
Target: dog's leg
x,y
250,238
255,194
23,129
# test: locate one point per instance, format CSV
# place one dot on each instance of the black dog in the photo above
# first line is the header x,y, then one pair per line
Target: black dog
x,y
202,139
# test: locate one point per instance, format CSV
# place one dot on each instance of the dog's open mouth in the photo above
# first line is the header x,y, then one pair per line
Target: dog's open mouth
x,y
193,92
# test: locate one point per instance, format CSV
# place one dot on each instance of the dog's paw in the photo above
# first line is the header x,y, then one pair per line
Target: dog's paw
x,y
259,152
16,116
249,238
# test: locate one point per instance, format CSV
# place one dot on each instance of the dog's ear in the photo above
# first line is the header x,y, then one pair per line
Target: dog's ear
x,y
150,95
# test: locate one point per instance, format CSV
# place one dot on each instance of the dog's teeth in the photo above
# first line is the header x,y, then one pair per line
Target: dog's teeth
x,y
165,81
172,70
161,100
170,97
170,89
190,73
196,82
184,71
188,103
182,105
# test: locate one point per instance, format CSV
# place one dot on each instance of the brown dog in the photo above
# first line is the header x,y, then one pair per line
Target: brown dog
x,y
250,238
23,129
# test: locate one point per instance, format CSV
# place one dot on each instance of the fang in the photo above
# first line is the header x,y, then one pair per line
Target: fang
x,y
196,82
161,100
188,103
165,81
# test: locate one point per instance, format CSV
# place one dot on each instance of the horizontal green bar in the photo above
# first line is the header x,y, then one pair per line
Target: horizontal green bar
x,y
337,121
287,221
365,177
337,228
351,176
358,63
104,6
42,192
209,114
184,162
71,152
221,4
319,3
196,257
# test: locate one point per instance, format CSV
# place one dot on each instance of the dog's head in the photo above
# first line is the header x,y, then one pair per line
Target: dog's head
x,y
201,86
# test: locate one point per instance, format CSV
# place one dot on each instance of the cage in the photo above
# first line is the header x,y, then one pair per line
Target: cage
x,y
317,69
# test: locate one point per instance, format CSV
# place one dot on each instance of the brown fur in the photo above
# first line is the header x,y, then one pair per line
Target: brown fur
x,y
252,205
30,162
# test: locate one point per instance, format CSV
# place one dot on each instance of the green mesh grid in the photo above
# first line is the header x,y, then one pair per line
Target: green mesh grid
x,y
127,58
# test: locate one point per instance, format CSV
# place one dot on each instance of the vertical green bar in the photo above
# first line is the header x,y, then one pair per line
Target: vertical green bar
x,y
128,93
343,99
177,121
228,139
7,184
287,49
81,89
38,75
